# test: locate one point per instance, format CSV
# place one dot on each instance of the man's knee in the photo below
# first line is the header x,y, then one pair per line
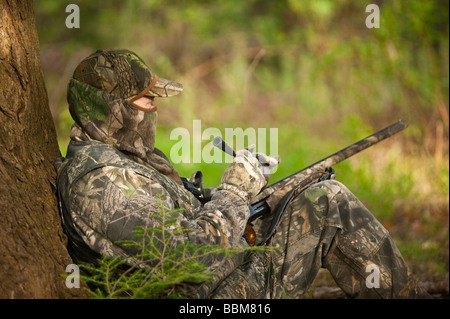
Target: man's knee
x,y
319,197
331,203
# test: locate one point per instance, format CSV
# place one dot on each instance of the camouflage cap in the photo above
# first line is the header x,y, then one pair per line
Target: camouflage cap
x,y
124,74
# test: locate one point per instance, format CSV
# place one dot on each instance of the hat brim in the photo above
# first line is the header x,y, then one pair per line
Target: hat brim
x,y
165,88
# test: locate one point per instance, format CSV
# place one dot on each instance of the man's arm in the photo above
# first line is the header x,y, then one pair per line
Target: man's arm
x,y
109,203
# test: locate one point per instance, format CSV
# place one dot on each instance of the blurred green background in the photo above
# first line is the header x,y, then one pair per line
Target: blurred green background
x,y
313,70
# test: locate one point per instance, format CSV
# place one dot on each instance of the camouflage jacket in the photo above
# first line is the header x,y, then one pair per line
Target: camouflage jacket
x,y
104,195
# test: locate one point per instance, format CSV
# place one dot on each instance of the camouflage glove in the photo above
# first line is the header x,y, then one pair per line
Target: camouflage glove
x,y
244,177
267,164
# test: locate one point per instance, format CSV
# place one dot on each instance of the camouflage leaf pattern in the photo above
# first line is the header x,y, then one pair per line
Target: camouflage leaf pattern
x,y
325,226
113,178
109,195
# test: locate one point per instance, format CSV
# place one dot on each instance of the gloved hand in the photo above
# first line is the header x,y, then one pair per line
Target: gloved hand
x,y
267,163
244,177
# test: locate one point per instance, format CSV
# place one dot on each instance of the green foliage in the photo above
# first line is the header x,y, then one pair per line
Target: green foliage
x,y
428,252
310,68
161,267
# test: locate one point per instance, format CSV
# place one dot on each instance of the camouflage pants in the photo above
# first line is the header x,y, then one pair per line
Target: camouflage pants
x,y
327,226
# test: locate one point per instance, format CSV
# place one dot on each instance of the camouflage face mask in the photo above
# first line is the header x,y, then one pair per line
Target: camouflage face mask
x,y
111,120
102,113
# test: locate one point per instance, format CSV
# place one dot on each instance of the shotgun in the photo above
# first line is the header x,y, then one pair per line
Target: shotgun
x,y
268,199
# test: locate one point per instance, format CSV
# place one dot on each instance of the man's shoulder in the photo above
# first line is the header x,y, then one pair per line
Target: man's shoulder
x,y
97,151
98,159
84,157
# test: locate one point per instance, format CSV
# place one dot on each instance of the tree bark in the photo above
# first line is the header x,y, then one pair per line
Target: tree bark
x,y
33,255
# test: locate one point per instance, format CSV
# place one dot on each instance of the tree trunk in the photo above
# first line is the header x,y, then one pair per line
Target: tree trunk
x,y
33,256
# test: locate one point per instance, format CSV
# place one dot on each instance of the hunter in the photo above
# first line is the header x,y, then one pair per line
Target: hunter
x,y
113,177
